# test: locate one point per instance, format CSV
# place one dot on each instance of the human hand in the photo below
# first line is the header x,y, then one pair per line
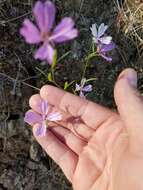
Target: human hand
x,y
97,149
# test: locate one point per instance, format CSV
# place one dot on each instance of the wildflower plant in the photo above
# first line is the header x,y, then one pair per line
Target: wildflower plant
x,y
47,35
102,41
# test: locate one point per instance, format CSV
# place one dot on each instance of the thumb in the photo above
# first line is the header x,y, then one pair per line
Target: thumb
x,y
130,105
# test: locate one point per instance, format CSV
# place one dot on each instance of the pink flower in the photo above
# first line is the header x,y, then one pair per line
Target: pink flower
x,y
43,118
44,33
82,88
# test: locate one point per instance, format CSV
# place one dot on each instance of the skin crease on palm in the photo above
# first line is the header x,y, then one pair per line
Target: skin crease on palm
x,y
97,148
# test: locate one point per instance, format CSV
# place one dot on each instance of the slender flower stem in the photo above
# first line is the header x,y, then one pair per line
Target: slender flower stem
x,y
94,54
53,78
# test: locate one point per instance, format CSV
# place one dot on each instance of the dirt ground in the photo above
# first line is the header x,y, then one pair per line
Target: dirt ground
x,y
23,164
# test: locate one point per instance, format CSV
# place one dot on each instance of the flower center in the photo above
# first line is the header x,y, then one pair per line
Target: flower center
x,y
44,36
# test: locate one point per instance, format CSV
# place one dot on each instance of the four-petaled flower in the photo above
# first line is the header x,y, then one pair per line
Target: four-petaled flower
x,y
44,33
99,35
42,119
82,88
104,49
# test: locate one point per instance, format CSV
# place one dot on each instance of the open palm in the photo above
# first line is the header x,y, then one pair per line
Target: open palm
x,y
96,148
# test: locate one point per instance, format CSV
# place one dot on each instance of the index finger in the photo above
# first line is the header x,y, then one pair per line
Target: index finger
x,y
91,113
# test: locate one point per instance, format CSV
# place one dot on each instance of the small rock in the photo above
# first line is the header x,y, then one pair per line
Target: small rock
x,y
32,165
10,129
35,152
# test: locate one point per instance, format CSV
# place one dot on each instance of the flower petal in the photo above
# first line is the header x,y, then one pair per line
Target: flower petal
x,y
54,116
41,53
82,94
32,118
106,58
45,52
77,87
102,29
30,32
87,88
50,54
105,40
45,15
64,31
44,107
106,48
41,129
38,12
49,15
94,30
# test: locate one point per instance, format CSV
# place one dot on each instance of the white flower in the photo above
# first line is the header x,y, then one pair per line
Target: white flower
x,y
99,34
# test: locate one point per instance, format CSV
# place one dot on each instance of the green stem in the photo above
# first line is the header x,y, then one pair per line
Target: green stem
x,y
53,78
94,54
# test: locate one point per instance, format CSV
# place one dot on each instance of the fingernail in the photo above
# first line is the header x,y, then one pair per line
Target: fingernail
x,y
131,77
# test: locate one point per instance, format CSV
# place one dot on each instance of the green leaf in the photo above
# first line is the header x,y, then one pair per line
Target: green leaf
x,y
91,79
66,85
50,77
54,60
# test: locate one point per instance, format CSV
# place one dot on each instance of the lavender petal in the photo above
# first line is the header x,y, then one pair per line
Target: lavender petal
x,y
105,40
30,32
106,57
109,47
64,31
38,12
82,94
45,52
44,107
87,88
49,16
54,116
41,129
32,118
41,53
50,54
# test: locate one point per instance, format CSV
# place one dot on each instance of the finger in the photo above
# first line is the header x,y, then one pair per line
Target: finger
x,y
78,128
35,103
67,121
59,152
130,105
92,114
72,141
